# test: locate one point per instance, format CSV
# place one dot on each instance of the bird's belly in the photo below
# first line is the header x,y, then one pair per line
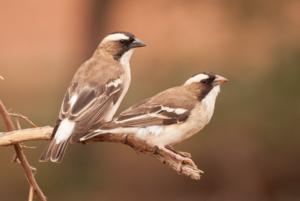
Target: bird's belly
x,y
174,134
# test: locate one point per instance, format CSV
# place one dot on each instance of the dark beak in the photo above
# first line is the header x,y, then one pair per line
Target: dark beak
x,y
137,43
220,80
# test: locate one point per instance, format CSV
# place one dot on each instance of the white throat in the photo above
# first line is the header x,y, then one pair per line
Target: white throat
x,y
124,61
125,58
210,99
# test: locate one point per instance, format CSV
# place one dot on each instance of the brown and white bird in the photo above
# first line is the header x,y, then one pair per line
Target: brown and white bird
x,y
170,116
95,92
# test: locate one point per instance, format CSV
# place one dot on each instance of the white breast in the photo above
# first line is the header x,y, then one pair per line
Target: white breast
x,y
198,119
126,79
210,100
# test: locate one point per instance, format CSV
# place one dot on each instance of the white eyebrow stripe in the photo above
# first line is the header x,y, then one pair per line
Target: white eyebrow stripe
x,y
196,78
115,37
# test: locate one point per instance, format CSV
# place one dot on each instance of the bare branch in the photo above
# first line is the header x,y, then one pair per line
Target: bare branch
x,y
31,194
25,118
28,134
6,118
18,124
181,164
21,156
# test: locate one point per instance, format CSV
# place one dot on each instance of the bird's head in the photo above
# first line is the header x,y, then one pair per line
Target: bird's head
x,y
120,45
204,84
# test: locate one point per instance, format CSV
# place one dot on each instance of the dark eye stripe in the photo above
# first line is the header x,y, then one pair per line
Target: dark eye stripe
x,y
208,80
127,42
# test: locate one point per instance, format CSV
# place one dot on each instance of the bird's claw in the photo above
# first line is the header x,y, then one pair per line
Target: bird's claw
x,y
183,157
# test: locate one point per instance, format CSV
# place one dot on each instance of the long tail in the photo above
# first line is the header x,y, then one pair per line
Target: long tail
x,y
57,147
54,152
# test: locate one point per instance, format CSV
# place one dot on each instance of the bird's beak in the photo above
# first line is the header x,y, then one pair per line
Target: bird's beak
x,y
220,80
137,43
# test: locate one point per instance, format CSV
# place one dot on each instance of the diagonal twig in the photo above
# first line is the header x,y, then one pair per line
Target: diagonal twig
x,y
25,118
31,194
31,190
22,157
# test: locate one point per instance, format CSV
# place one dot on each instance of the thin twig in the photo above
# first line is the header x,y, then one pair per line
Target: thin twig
x,y
31,194
15,158
7,120
24,146
22,157
18,124
25,118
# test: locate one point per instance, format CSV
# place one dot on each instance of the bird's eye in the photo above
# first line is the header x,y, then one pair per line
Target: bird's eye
x,y
206,81
123,42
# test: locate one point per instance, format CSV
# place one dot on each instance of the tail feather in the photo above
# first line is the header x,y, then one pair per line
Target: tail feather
x,y
58,144
58,151
46,154
54,152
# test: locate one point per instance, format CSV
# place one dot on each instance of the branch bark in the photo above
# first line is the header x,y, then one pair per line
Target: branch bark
x,y
21,156
182,164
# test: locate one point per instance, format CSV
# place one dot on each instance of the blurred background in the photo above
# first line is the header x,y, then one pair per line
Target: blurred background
x,y
249,151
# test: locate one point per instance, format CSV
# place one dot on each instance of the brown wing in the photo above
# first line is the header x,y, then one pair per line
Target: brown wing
x,y
169,107
95,95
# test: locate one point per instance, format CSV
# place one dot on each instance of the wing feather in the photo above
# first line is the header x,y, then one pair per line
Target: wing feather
x,y
92,103
148,116
168,107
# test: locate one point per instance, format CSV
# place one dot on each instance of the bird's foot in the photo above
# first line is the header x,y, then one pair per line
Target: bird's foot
x,y
180,157
182,153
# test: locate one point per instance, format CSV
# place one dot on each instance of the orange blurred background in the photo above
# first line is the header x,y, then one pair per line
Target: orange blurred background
x,y
249,151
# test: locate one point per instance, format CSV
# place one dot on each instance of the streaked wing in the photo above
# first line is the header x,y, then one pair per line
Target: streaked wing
x,y
153,115
165,108
168,107
88,105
